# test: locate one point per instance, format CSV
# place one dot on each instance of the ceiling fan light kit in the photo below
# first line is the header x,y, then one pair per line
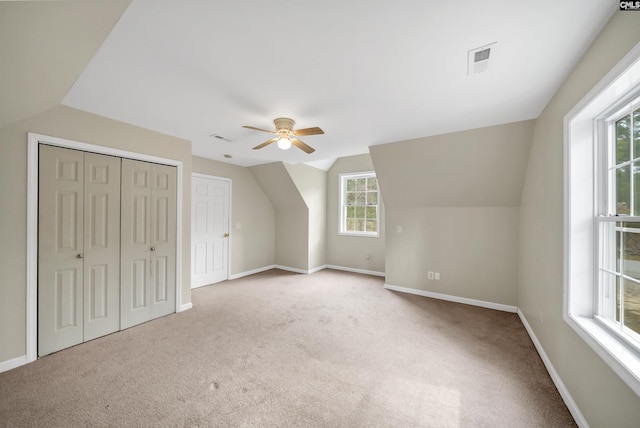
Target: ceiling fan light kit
x,y
287,136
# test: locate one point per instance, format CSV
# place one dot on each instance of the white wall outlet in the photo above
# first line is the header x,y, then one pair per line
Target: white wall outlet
x,y
399,229
430,275
436,276
367,257
238,226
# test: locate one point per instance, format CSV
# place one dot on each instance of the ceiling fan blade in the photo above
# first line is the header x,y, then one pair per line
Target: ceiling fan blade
x,y
266,143
302,146
258,129
308,131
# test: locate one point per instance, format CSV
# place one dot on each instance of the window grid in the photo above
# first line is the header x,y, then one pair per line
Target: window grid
x,y
619,234
359,213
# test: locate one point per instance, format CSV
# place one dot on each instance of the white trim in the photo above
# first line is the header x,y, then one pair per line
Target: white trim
x,y
229,219
297,270
564,392
13,363
456,299
363,271
251,272
185,307
580,208
33,140
341,204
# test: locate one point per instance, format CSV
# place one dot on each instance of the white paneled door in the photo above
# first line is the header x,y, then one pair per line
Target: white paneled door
x,y
148,274
79,247
209,230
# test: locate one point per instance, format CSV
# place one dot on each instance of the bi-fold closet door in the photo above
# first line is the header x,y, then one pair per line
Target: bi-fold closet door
x,y
106,245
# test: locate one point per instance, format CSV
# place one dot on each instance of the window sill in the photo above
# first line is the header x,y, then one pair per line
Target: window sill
x,y
360,235
622,359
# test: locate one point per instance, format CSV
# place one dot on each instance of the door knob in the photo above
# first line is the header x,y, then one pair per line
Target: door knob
x,y
153,248
79,256
226,235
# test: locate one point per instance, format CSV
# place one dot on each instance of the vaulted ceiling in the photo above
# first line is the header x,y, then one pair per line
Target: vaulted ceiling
x,y
367,72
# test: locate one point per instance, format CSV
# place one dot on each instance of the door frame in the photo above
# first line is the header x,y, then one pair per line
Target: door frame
x,y
229,201
33,140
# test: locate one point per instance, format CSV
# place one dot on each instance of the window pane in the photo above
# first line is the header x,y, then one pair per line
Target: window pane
x,y
361,198
350,212
372,183
360,212
351,198
351,185
623,148
372,197
632,305
361,184
631,253
360,225
350,225
623,190
636,188
636,133
372,226
371,213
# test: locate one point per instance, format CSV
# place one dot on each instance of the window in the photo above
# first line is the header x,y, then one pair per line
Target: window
x,y
618,301
602,219
359,204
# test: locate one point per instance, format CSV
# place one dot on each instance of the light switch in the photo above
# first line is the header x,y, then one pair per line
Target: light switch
x,y
399,229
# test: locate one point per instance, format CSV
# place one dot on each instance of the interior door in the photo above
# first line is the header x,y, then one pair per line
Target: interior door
x,y
60,252
148,241
209,230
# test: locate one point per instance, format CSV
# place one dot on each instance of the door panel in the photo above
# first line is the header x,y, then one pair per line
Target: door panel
x,y
101,245
209,220
60,231
148,241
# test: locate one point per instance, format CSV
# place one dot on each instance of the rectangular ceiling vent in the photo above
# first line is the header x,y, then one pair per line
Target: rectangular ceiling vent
x,y
479,58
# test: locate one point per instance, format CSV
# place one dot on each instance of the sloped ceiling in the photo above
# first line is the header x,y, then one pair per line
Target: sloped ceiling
x,y
368,72
44,46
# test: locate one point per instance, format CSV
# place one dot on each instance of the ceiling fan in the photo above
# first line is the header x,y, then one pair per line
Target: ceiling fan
x,y
286,135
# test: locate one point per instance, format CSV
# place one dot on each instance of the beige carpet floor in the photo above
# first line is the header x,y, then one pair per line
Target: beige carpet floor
x,y
277,349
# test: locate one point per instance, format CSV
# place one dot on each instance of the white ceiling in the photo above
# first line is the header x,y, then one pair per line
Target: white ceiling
x,y
368,72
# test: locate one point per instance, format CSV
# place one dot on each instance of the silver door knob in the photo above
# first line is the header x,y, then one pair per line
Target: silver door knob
x,y
79,256
153,248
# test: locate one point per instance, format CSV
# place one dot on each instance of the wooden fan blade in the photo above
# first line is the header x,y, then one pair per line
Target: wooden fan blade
x,y
302,146
308,131
258,129
266,143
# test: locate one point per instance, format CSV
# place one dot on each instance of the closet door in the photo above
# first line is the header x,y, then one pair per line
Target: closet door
x,y
60,249
101,245
78,247
148,241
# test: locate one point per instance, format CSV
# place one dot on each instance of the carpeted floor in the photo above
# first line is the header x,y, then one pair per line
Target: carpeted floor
x,y
277,349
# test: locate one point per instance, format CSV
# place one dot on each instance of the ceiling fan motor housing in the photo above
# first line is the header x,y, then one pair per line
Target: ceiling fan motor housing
x,y
283,123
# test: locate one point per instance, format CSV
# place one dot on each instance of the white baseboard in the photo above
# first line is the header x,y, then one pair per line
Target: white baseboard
x,y
251,272
13,363
564,393
297,270
186,306
363,271
456,299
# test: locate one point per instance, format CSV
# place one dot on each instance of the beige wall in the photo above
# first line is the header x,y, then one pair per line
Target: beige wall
x,y
253,245
79,126
456,198
291,215
602,397
351,251
44,46
312,186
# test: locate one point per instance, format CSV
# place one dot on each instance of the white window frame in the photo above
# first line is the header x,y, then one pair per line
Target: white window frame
x,y
343,207
584,153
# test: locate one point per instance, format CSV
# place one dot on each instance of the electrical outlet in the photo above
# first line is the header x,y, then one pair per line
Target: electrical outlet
x,y
436,276
399,229
430,275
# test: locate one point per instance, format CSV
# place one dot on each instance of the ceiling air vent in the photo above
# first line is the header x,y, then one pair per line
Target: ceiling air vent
x,y
479,58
